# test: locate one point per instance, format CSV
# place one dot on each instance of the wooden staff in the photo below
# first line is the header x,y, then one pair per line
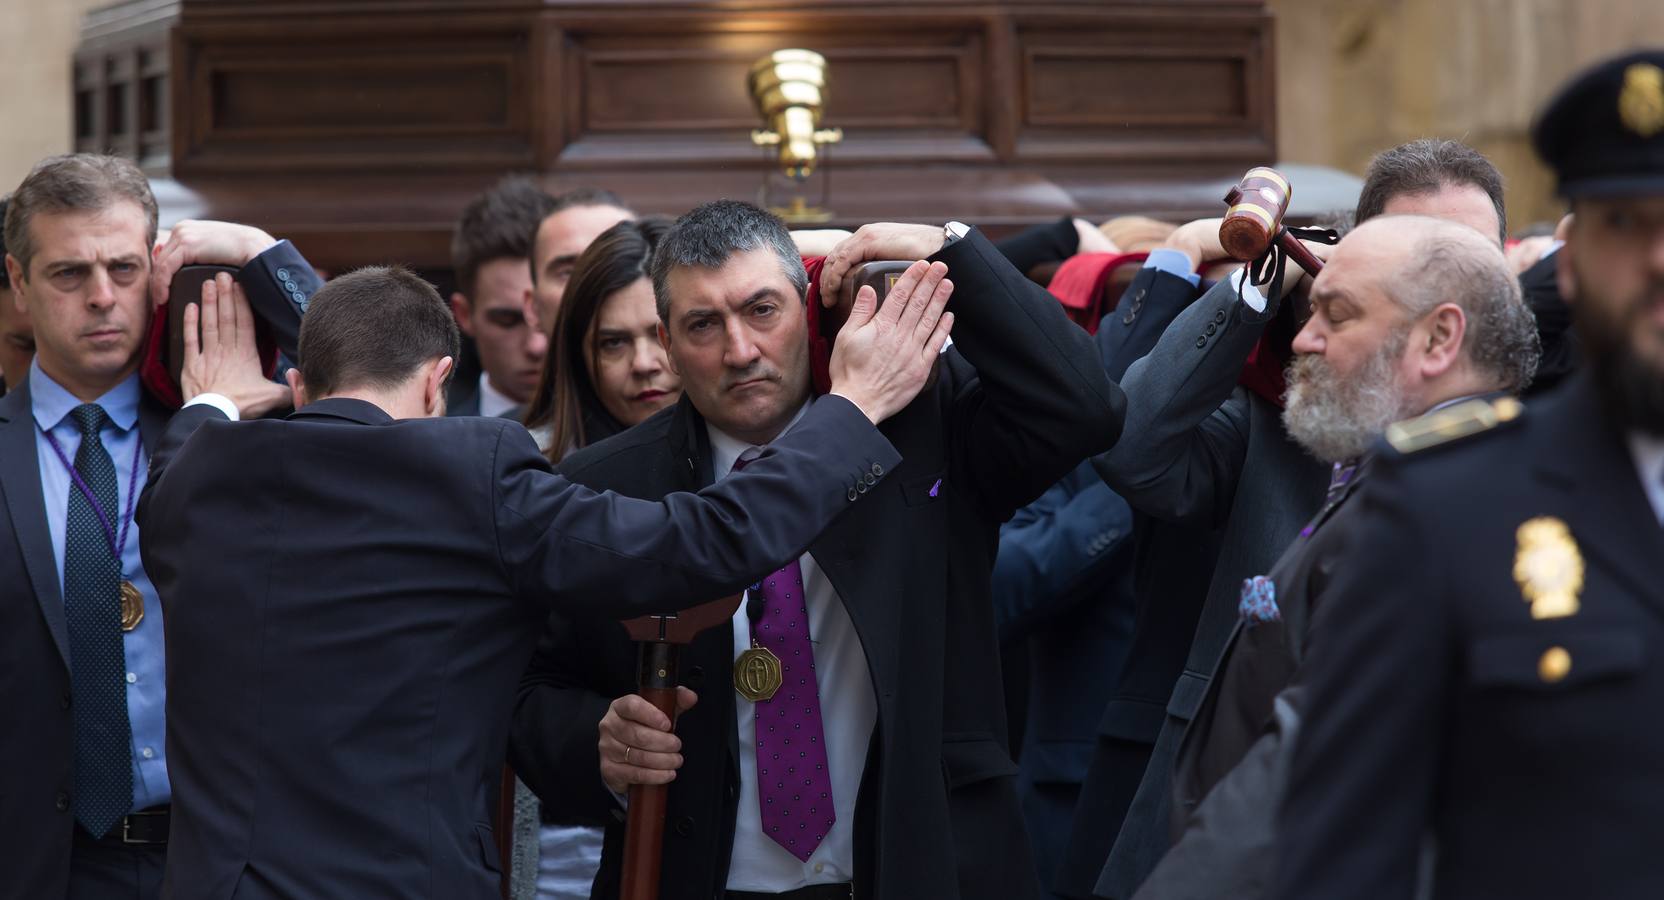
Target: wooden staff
x,y
1255,220
661,639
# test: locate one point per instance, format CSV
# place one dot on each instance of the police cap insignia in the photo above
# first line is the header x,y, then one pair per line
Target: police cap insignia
x,y
1641,104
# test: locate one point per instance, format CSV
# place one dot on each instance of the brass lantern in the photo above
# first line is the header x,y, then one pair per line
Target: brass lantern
x,y
789,90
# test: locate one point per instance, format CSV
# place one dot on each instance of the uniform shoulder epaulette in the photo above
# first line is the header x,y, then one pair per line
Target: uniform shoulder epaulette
x,y
1452,423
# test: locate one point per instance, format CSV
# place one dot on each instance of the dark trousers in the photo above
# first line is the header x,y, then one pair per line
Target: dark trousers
x,y
1048,811
108,870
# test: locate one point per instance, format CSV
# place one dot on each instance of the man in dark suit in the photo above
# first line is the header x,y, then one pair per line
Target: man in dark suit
x,y
1411,315
1170,565
1206,447
904,671
352,591
84,813
1481,674
490,256
1064,585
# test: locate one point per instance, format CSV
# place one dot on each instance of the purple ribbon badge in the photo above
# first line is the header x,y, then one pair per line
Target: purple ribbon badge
x,y
935,488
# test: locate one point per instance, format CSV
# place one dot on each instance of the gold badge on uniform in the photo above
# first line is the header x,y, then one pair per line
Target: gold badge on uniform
x,y
132,606
757,674
1641,104
1548,567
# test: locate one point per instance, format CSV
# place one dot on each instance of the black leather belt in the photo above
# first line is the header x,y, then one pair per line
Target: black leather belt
x,y
812,892
145,828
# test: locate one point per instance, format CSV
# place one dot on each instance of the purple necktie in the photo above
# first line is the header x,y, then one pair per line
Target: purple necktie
x,y
794,788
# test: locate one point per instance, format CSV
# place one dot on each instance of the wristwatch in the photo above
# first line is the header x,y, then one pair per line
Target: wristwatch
x,y
953,231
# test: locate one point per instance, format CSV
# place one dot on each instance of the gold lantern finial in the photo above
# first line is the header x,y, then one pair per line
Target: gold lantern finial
x,y
789,89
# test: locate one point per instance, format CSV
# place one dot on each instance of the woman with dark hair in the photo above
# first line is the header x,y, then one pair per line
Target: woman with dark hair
x,y
605,370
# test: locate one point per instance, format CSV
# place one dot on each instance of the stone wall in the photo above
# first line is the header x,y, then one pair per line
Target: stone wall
x,y
37,42
1355,76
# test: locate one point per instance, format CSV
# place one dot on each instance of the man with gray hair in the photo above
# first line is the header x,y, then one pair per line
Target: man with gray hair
x,y
1411,316
876,765
85,812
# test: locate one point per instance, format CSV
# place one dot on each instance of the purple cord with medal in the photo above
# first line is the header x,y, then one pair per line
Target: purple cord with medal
x,y
132,602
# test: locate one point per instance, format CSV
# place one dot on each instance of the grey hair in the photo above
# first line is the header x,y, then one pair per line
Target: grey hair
x,y
709,234
1451,263
74,182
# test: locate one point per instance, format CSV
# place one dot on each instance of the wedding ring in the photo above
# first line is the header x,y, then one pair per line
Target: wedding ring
x,y
627,755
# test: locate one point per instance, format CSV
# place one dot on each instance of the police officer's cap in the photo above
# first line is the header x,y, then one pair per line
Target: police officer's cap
x,y
1603,135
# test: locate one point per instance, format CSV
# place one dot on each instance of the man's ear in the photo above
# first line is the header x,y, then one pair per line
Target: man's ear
x,y
296,387
433,392
1445,328
664,341
463,311
14,271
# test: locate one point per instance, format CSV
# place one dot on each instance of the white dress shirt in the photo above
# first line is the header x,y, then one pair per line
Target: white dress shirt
x,y
1648,451
848,708
493,402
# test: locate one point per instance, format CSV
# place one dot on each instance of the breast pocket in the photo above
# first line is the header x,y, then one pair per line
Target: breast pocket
x,y
1555,661
925,489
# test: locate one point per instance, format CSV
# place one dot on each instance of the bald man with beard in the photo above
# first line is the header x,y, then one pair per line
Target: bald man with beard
x,y
1412,316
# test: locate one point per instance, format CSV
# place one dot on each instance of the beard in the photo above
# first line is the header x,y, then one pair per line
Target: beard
x,y
1631,388
1334,417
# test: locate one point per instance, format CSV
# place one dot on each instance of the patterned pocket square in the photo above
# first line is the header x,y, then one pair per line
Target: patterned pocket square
x,y
1259,601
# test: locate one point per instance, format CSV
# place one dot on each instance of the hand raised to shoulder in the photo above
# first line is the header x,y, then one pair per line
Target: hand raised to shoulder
x,y
225,360
196,242
884,354
880,240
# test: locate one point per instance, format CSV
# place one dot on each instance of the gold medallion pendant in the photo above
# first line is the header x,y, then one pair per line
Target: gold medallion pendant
x,y
757,674
132,606
1549,568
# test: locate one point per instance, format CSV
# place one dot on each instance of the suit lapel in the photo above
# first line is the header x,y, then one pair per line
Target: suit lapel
x,y
153,420
20,481
1607,508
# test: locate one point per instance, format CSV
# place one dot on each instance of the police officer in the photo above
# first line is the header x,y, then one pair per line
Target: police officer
x,y
1485,676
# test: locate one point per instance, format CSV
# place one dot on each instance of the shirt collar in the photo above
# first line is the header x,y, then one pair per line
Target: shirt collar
x,y
492,401
52,402
1648,451
727,449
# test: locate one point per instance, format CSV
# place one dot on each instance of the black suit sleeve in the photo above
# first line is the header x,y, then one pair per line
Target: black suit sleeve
x,y
1039,402
552,744
1049,243
1129,332
183,424
609,555
280,283
1361,785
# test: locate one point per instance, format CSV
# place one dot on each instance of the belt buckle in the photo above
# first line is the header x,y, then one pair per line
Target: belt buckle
x,y
127,831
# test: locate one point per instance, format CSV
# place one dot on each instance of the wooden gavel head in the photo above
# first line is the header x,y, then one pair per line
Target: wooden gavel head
x,y
1257,205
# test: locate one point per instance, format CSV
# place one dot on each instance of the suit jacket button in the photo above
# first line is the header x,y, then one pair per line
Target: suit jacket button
x,y
860,487
63,801
684,826
1201,342
877,469
1219,317
852,495
1212,328
870,479
282,274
